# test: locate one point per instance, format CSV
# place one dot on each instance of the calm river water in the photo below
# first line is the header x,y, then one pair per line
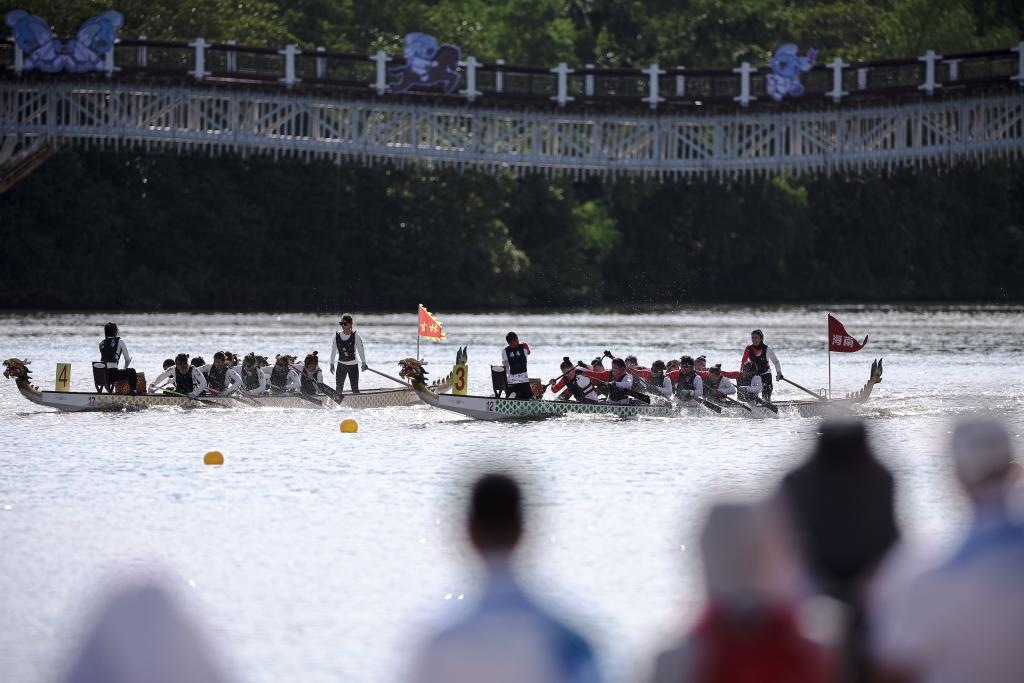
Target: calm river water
x,y
313,555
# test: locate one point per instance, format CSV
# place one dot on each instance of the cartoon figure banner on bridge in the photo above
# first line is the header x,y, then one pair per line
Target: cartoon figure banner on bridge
x,y
786,68
43,51
427,65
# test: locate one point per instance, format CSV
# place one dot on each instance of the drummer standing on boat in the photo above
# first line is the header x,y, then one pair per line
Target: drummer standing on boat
x,y
347,344
759,354
112,350
513,357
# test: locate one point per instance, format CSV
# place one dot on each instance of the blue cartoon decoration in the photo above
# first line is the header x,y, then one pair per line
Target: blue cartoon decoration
x,y
427,65
786,68
85,52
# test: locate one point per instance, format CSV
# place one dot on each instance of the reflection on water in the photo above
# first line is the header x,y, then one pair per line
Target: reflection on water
x,y
316,555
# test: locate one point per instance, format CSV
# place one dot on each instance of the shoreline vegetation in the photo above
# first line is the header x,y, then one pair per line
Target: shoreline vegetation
x,y
95,229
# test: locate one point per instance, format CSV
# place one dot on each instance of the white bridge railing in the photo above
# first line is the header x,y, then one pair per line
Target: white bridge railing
x,y
250,122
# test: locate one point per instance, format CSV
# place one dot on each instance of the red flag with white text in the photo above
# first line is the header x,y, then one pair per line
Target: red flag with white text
x,y
839,340
430,327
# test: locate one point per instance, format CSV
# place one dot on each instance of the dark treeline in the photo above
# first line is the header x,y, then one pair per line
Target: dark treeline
x,y
101,230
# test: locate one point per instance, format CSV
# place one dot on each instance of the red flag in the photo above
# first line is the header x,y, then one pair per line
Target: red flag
x,y
430,328
839,341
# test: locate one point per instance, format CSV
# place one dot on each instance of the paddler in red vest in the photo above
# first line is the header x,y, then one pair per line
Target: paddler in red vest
x,y
575,383
716,386
618,382
700,366
513,357
749,383
759,354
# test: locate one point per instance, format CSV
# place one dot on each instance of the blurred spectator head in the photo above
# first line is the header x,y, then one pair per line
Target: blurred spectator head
x,y
140,636
748,558
983,456
495,514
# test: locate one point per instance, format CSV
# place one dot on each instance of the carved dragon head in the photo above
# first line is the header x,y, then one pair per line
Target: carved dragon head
x,y
17,369
412,370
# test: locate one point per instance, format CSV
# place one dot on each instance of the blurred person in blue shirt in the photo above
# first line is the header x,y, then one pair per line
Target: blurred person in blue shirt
x,y
964,620
507,638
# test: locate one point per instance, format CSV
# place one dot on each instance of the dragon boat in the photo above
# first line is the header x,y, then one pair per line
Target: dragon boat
x,y
496,408
86,401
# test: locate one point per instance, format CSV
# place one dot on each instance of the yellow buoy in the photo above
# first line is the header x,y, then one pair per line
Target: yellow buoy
x,y
349,427
213,458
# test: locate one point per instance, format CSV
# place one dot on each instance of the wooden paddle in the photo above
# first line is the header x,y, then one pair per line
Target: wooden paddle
x,y
332,394
393,379
733,403
213,404
760,401
817,396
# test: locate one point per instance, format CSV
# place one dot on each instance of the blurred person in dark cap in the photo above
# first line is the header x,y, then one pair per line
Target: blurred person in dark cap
x,y
749,631
141,636
842,505
506,638
964,620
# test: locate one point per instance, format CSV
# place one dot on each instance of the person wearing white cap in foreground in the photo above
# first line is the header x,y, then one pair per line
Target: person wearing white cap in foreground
x,y
964,621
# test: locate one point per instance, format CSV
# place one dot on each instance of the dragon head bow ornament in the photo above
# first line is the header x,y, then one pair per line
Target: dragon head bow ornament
x,y
412,370
17,369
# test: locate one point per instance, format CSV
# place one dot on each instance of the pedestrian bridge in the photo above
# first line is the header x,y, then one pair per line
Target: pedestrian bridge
x,y
657,121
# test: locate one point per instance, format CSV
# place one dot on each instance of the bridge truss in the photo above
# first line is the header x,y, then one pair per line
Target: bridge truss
x,y
247,122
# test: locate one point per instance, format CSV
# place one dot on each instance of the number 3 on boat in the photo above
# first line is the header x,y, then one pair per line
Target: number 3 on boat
x,y
460,374
63,382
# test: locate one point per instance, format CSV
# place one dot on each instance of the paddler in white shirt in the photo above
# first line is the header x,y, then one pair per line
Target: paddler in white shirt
x,y
513,357
283,378
254,381
221,379
749,383
689,385
312,376
618,382
188,380
575,383
716,386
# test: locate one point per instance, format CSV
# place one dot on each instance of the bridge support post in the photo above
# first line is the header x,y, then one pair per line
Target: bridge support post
x,y
499,76
470,92
744,70
381,84
837,93
929,60
200,71
652,98
563,71
680,81
321,64
289,53
19,58
232,57
108,61
1020,66
142,54
588,82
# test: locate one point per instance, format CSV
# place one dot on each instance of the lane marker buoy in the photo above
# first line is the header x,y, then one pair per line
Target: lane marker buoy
x,y
349,426
213,458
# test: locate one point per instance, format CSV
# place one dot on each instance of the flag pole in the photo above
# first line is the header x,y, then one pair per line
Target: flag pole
x,y
828,345
418,333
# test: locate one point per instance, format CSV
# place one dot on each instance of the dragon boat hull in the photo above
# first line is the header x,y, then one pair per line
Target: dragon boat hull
x,y
491,408
77,402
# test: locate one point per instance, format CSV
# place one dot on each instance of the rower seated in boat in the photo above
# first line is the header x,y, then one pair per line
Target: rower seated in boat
x,y
618,382
311,376
716,386
748,384
513,357
188,379
658,383
688,384
283,377
575,383
221,379
254,381
112,350
164,380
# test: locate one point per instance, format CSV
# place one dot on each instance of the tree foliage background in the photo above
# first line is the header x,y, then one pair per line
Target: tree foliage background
x,y
186,232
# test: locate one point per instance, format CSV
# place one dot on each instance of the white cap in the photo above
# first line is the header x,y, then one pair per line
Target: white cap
x,y
981,449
